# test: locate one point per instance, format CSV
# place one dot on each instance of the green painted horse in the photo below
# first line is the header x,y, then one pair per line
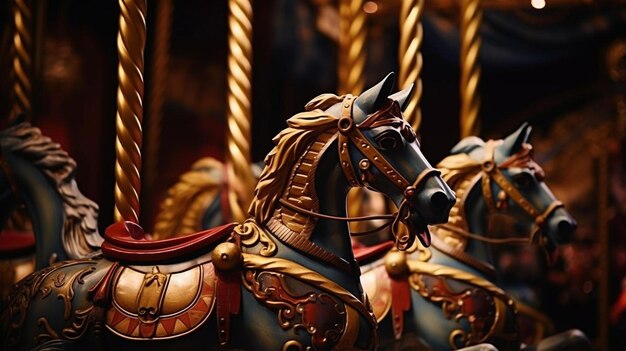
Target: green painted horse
x,y
448,297
285,279
38,174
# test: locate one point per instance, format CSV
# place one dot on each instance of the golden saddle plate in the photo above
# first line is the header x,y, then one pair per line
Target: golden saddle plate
x,y
155,305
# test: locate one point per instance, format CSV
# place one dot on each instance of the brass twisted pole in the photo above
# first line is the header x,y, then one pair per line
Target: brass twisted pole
x,y
22,59
352,33
471,16
131,41
239,115
410,57
158,87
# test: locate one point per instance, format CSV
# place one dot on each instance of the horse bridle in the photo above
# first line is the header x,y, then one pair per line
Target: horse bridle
x,y
490,171
349,132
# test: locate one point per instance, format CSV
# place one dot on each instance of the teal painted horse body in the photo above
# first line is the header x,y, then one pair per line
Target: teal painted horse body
x,y
447,297
39,175
285,279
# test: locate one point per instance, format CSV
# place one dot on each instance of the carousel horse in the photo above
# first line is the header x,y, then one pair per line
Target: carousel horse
x,y
37,174
286,278
447,297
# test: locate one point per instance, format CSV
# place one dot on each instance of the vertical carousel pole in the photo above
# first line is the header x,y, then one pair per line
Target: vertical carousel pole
x,y
22,65
158,87
131,41
239,117
410,56
352,52
471,16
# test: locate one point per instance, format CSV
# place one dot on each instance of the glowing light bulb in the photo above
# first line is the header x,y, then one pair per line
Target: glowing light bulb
x,y
538,4
370,7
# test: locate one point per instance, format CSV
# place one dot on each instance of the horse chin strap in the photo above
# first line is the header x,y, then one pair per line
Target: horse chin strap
x,y
349,132
491,172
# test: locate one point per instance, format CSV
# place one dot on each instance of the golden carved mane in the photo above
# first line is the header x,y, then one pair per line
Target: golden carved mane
x,y
303,129
460,172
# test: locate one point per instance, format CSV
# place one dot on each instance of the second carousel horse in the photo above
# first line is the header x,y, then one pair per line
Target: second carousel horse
x,y
447,297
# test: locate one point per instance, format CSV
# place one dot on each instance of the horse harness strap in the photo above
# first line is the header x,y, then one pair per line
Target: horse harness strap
x,y
491,171
349,130
344,149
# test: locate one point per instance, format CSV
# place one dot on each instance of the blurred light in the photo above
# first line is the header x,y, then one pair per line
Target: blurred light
x,y
370,7
538,4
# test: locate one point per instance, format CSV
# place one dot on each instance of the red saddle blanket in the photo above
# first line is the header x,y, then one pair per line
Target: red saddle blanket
x,y
367,254
126,241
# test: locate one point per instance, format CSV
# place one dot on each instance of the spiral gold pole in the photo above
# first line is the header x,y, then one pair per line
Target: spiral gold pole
x,y
22,59
131,41
410,56
158,87
352,52
471,16
239,117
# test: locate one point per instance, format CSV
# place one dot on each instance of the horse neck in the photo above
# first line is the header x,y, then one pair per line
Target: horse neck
x,y
44,206
470,214
477,219
317,183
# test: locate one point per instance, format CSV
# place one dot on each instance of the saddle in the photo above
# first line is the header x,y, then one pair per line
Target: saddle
x,y
127,242
163,288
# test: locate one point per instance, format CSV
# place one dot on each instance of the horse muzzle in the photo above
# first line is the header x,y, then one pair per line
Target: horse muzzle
x,y
435,201
561,227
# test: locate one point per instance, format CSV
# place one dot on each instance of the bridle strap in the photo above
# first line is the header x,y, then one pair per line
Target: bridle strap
x,y
349,130
491,171
344,145
488,165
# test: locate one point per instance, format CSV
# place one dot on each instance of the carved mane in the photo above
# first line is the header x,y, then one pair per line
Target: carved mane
x,y
187,201
80,226
303,129
460,172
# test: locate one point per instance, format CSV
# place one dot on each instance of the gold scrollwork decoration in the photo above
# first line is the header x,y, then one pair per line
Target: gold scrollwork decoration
x,y
20,297
294,345
65,287
251,234
48,334
82,319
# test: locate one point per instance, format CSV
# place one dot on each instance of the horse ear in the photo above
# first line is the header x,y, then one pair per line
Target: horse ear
x,y
513,143
403,96
373,98
467,144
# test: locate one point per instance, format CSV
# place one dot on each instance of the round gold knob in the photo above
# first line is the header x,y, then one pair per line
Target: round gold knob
x,y
395,263
226,256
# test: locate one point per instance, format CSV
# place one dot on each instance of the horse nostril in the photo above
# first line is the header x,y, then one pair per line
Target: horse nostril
x,y
439,200
566,229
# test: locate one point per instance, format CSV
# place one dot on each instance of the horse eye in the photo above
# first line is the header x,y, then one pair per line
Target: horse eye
x,y
388,140
409,134
523,180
